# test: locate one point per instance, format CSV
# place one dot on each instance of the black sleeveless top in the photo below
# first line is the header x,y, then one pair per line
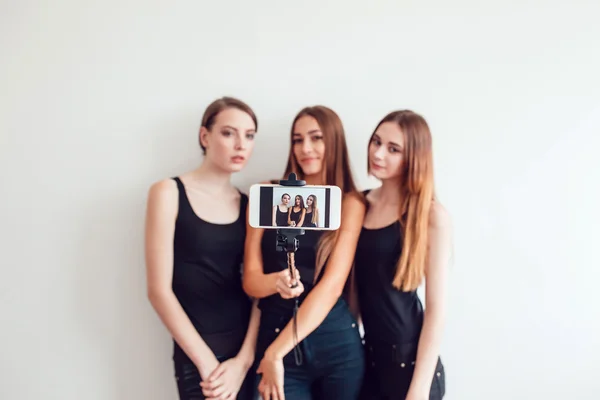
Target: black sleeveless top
x,y
207,262
281,217
295,216
389,315
308,220
275,261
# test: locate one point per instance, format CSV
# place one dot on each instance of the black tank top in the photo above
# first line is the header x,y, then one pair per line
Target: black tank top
x,y
275,261
295,216
281,217
388,314
207,276
308,220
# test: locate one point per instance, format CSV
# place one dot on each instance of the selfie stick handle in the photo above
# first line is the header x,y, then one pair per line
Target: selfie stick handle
x,y
287,239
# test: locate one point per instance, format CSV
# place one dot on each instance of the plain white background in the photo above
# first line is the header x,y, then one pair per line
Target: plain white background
x,y
100,99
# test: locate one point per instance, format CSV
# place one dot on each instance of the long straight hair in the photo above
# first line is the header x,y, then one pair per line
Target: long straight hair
x,y
416,186
301,205
314,207
337,171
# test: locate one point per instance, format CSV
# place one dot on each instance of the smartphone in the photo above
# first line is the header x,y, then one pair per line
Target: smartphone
x,y
309,207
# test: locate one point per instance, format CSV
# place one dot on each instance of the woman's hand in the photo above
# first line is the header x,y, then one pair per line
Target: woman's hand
x,y
209,364
225,381
285,283
271,383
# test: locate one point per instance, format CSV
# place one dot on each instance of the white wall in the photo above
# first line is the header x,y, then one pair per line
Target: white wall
x,y
98,100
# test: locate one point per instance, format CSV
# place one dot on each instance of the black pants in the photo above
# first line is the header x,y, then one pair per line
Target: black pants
x,y
390,370
188,382
332,357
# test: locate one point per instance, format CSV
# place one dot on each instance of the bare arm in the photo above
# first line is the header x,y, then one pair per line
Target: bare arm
x,y
256,283
160,227
302,217
274,215
440,248
246,353
326,292
316,217
290,215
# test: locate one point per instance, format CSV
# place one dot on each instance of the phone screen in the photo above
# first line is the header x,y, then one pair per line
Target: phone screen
x,y
305,207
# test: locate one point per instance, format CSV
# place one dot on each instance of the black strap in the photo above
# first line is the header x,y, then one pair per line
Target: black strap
x,y
292,268
243,206
183,199
297,350
179,183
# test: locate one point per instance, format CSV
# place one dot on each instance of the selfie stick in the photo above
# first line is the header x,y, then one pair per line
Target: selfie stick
x,y
287,240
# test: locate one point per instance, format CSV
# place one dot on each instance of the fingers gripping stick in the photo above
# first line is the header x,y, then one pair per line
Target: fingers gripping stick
x,y
288,242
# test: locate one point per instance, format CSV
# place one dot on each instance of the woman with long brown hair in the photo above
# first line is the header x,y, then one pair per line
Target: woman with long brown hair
x,y
405,240
296,212
309,345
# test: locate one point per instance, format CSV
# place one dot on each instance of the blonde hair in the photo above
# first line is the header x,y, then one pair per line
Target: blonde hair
x,y
417,192
314,208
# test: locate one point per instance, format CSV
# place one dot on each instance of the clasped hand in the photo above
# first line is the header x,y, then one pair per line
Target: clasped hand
x,y
225,381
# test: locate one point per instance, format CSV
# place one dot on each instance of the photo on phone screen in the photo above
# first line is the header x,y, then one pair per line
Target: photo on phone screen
x,y
303,207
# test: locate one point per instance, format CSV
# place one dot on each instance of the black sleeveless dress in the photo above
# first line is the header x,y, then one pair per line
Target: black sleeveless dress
x,y
295,216
308,220
392,319
207,260
281,218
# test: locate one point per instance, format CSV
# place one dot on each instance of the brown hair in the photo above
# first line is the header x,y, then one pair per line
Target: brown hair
x,y
337,167
301,205
314,207
417,193
222,104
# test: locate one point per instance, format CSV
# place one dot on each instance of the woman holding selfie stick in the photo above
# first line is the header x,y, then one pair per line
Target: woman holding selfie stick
x,y
405,240
195,233
296,212
313,351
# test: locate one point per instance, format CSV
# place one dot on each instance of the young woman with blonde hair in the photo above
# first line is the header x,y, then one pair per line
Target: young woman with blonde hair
x,y
405,241
311,218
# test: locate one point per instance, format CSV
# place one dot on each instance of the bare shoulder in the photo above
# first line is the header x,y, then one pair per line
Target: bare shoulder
x,y
162,188
439,217
163,194
354,200
353,211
